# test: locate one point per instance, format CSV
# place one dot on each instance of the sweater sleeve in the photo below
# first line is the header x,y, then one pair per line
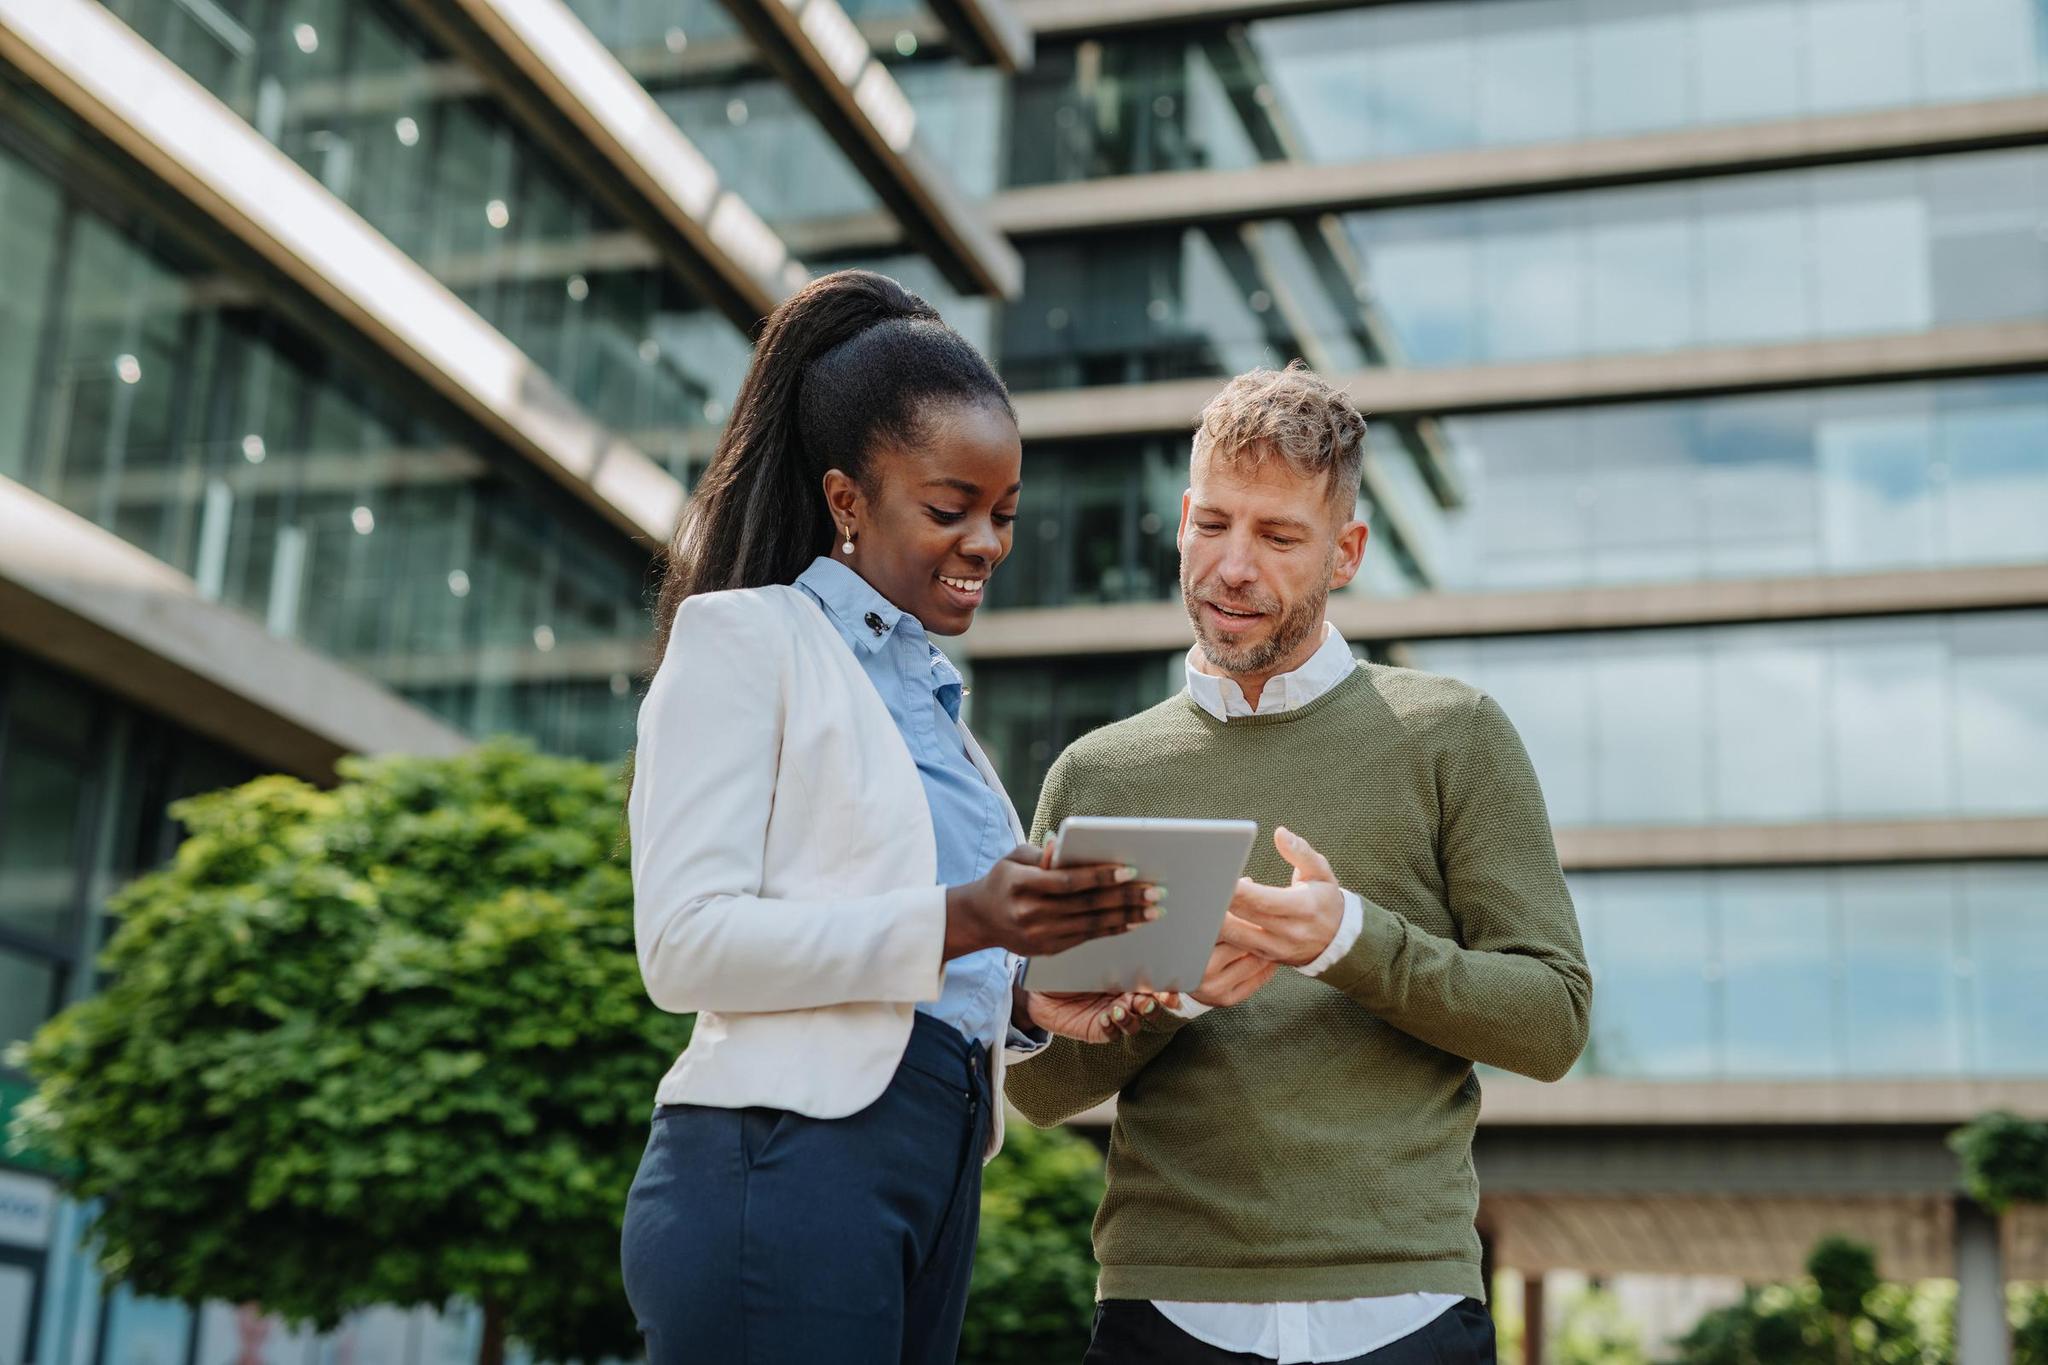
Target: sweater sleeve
x,y
1069,1077
1513,991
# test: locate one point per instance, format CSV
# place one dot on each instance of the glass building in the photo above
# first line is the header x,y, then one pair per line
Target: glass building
x,y
358,355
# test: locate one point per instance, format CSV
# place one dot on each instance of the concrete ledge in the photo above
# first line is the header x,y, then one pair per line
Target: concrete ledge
x,y
1157,627
1170,408
1511,1102
1280,189
1807,844
118,85
85,600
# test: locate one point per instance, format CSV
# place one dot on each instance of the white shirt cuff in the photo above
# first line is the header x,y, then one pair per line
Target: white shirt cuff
x,y
1348,930
1188,1008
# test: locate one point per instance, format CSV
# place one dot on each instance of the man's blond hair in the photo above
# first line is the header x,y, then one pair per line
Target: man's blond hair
x,y
1290,414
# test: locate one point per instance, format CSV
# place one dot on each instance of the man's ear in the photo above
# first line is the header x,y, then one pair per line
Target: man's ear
x,y
1350,553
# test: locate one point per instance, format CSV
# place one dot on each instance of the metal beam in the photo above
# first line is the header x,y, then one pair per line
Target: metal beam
x,y
1157,627
823,57
1170,408
1082,18
1291,188
572,93
123,89
987,32
85,600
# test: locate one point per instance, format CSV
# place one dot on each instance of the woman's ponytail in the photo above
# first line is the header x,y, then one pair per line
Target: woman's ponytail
x,y
850,358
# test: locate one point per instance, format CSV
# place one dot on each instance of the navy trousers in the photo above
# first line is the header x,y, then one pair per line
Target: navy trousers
x,y
1133,1332
761,1237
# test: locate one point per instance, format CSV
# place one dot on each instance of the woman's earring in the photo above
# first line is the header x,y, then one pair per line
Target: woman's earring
x,y
847,548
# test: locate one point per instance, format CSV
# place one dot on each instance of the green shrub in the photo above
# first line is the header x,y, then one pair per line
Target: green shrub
x,y
1034,1271
2005,1159
380,1044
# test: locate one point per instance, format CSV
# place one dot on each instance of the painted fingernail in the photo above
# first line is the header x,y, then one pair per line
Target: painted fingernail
x,y
1119,1014
1154,913
1127,874
1155,894
1147,1006
1106,1021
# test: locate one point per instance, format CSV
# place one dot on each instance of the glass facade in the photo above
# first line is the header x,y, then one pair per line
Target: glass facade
x,y
1895,717
1025,712
156,395
84,779
765,145
367,103
1406,79
1817,973
1823,481
1788,256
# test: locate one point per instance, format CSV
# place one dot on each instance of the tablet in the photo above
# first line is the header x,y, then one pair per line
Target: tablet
x,y
1197,861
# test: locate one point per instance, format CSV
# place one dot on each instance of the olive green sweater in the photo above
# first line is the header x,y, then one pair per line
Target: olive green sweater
x,y
1315,1141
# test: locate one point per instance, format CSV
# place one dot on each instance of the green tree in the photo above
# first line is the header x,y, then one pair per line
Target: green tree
x,y
1033,1294
2030,1326
380,1044
2005,1159
1842,1313
1592,1330
1845,1274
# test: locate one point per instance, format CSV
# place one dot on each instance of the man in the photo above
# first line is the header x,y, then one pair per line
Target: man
x,y
1290,1173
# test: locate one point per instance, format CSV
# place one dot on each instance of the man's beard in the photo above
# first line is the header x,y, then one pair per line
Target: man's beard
x,y
1290,631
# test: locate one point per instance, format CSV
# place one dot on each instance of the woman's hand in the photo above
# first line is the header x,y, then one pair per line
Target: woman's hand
x,y
1092,1017
1037,911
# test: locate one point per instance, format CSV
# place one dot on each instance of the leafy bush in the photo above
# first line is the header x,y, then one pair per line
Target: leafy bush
x,y
1843,1315
2005,1159
380,1044
1033,1296
1592,1330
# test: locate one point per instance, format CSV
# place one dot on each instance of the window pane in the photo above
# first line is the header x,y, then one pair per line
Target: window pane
x,y
1890,702
1899,933
1770,709
1777,955
28,995
1650,707
2001,714
2008,918
1859,53
1653,1007
42,807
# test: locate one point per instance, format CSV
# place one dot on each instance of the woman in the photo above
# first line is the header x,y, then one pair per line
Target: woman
x,y
825,867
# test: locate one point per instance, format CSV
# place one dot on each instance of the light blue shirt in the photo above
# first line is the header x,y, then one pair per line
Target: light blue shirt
x,y
922,690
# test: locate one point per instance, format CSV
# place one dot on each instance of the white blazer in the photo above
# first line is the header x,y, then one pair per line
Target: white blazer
x,y
785,873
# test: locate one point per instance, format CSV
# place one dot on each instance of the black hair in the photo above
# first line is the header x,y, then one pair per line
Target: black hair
x,y
847,365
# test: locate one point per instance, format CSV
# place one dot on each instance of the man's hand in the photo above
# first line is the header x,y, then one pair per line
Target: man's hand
x,y
1232,975
1091,1017
1293,925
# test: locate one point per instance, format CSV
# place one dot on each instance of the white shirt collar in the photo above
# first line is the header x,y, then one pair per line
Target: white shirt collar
x,y
1220,697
